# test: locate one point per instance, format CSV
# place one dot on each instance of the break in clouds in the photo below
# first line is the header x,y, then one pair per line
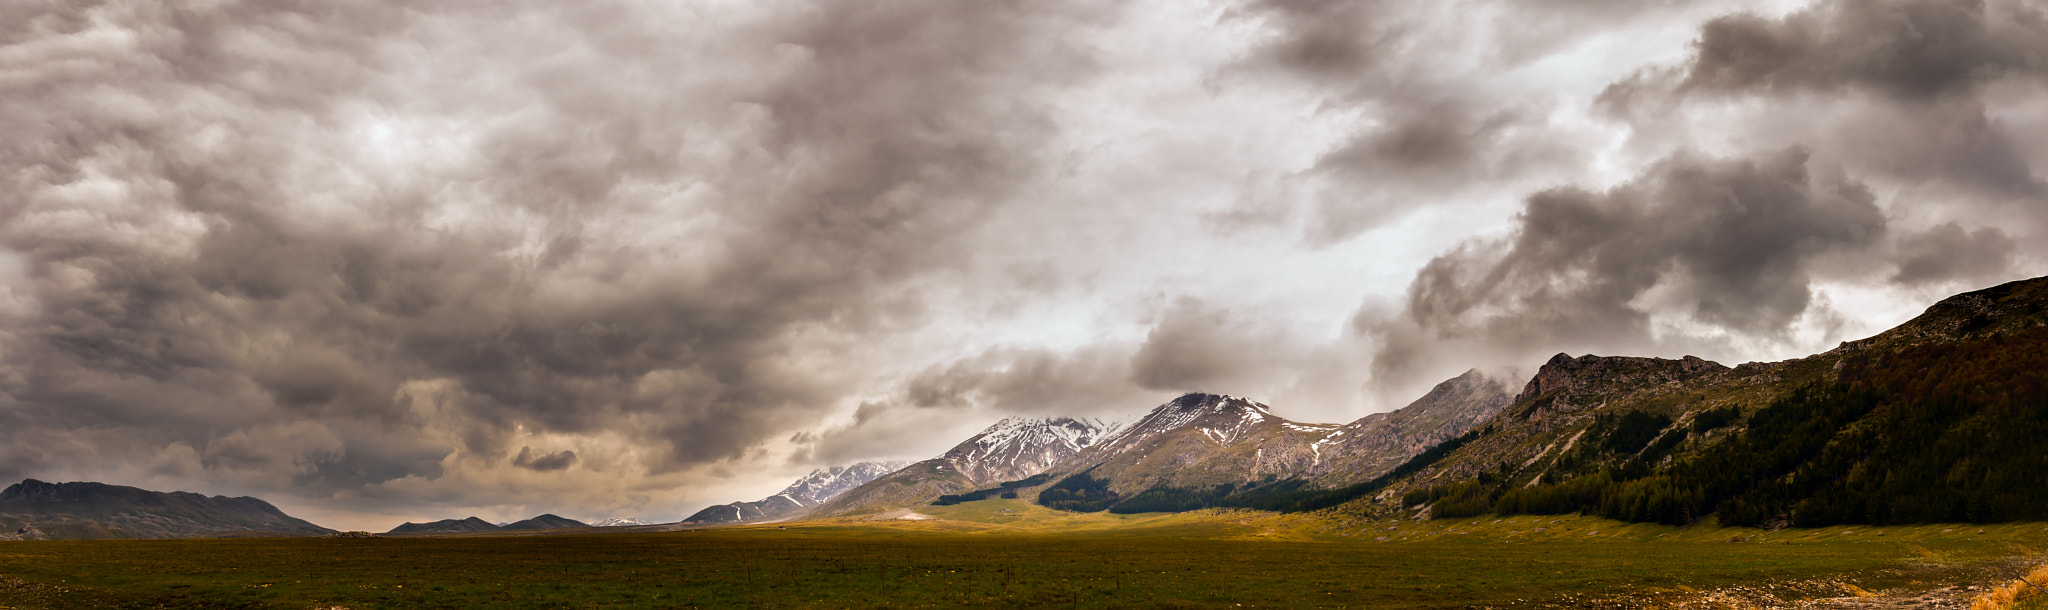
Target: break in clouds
x,y
402,261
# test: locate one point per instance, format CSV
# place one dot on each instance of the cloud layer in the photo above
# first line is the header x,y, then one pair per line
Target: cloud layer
x,y
390,261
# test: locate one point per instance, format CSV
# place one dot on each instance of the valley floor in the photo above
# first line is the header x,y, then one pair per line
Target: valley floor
x,y
1011,554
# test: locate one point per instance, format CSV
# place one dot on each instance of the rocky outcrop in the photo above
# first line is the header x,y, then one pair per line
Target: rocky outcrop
x,y
1566,384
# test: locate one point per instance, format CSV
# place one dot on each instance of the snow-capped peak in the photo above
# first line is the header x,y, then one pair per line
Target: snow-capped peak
x,y
824,483
619,522
1018,447
1221,417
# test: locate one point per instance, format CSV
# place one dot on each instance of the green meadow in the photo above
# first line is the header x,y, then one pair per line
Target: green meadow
x,y
1001,553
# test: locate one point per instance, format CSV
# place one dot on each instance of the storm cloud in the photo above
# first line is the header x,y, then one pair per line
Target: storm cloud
x,y
388,262
305,219
1810,117
1718,245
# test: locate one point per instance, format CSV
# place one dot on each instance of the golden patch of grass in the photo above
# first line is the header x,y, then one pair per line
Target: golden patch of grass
x,y
2017,594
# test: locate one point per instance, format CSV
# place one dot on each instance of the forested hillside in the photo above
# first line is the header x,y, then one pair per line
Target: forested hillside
x,y
1942,419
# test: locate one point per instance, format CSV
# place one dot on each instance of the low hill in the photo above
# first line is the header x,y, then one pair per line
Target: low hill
x,y
544,522
446,526
35,510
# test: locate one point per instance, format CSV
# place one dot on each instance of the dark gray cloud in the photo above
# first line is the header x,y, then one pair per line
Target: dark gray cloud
x,y
543,461
1949,251
419,254
1908,84
1728,244
322,221
1908,49
1034,381
1338,41
1915,98
1427,131
1198,347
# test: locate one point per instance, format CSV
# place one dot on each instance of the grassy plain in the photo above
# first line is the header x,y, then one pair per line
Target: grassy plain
x,y
1007,554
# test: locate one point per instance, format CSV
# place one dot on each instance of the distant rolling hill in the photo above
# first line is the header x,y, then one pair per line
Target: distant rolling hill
x,y
35,510
473,525
446,526
544,522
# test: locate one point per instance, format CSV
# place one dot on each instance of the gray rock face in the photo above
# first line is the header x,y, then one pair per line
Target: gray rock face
x,y
1566,384
36,510
1377,443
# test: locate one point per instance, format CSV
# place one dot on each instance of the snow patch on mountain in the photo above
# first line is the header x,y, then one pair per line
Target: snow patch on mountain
x,y
824,483
1222,418
619,522
1018,447
811,490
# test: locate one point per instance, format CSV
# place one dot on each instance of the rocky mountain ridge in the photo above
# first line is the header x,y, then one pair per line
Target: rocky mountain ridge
x,y
1200,441
1011,449
819,486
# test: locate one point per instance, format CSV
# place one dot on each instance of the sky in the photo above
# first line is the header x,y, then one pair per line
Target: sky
x,y
379,262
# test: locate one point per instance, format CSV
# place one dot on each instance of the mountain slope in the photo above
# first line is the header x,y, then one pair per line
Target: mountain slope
x,y
35,510
813,489
1940,419
1014,448
1200,440
1376,443
1204,450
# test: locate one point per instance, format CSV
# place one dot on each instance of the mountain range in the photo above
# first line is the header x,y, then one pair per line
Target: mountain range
x,y
473,524
1942,418
1939,419
1194,446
